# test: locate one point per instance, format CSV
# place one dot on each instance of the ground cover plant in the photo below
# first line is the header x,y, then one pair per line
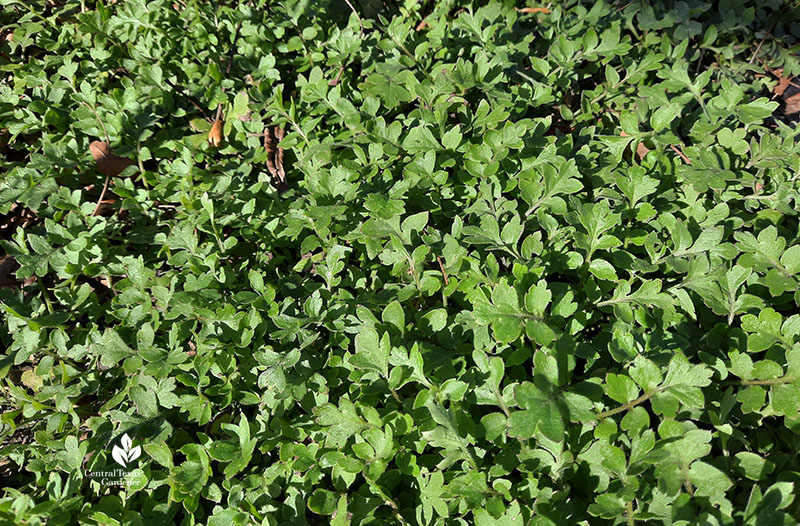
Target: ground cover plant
x,y
417,263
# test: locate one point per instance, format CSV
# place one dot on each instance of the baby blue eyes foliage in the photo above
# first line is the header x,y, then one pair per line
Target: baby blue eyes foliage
x,y
536,264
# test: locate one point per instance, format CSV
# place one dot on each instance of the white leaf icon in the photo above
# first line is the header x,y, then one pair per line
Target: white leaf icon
x,y
119,455
134,453
126,453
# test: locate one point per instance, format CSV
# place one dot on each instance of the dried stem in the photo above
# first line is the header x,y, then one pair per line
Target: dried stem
x,y
360,23
682,155
102,194
761,42
443,272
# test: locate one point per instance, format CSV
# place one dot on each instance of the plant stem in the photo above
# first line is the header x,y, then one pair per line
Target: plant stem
x,y
771,381
46,297
630,513
629,405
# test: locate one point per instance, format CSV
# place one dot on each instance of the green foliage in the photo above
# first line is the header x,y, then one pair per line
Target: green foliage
x,y
531,268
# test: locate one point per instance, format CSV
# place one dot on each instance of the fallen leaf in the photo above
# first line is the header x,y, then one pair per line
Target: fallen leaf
x,y
783,82
533,10
272,137
32,380
792,103
215,134
641,149
109,163
279,134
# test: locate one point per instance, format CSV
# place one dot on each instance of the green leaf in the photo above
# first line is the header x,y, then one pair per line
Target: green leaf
x,y
370,352
323,502
621,388
681,372
540,414
470,487
646,374
452,139
159,452
393,314
341,422
189,478
240,103
111,348
753,466
602,269
785,400
537,298
708,480
663,116
420,139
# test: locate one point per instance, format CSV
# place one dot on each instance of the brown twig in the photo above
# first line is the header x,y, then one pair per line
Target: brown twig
x,y
623,7
199,108
335,81
544,10
683,155
699,61
102,195
761,42
360,23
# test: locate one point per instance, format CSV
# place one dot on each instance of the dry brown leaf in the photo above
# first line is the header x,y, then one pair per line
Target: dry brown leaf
x,y
215,134
279,134
109,163
533,10
783,82
641,149
272,137
792,103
